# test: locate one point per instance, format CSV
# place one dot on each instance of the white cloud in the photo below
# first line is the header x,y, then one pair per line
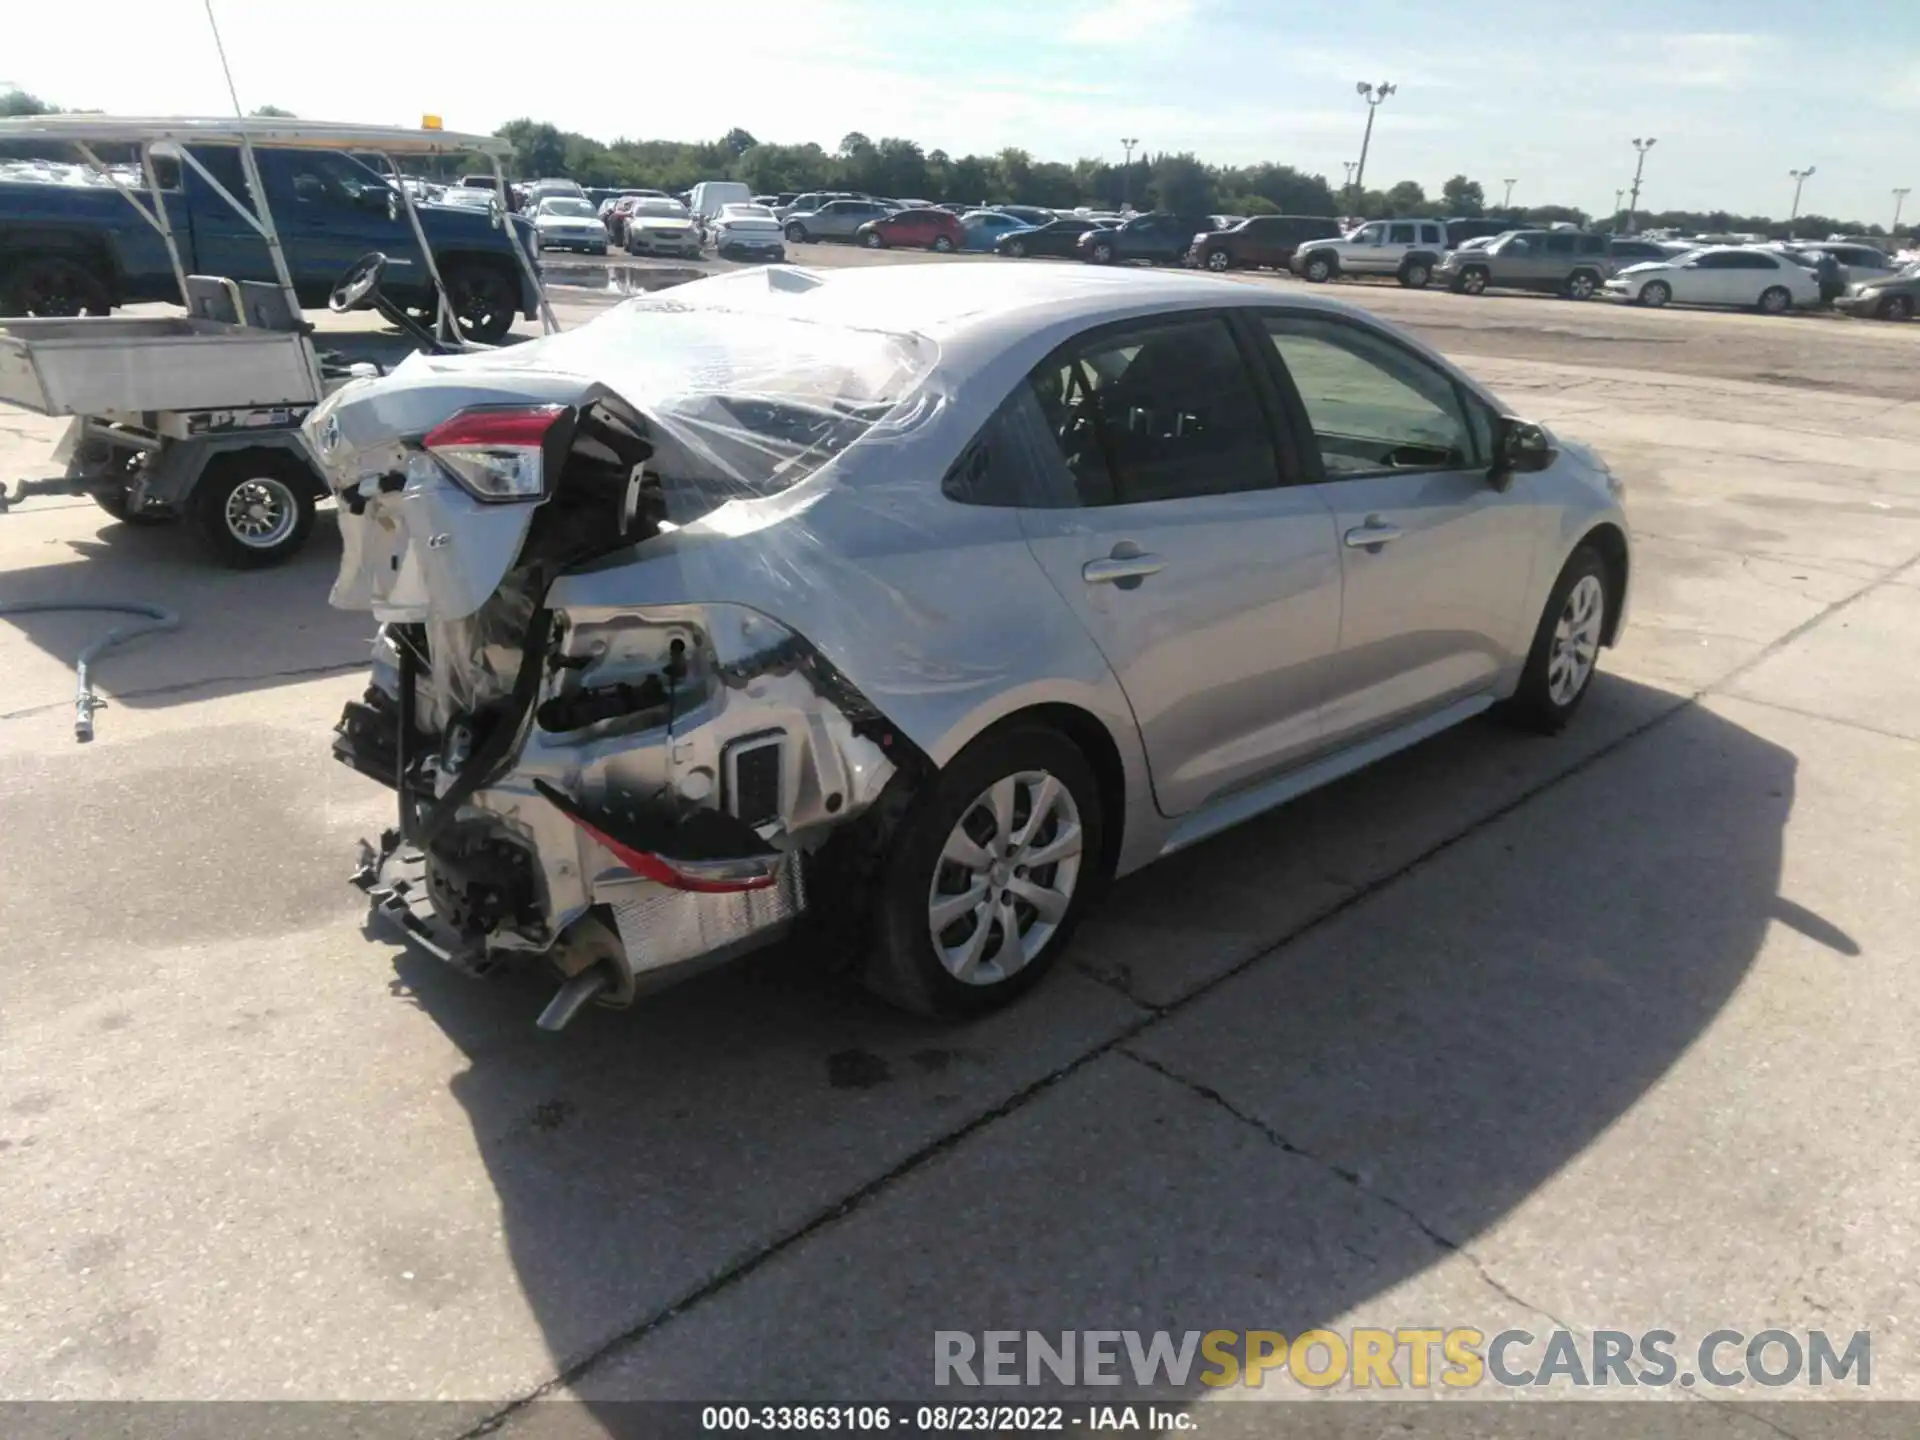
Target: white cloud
x,y
1128,22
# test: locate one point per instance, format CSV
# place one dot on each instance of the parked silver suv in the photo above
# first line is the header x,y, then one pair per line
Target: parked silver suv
x,y
1561,262
1406,249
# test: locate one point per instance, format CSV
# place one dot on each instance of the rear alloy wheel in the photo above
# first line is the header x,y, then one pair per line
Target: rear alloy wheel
x,y
1472,281
1582,285
1319,269
254,508
942,245
1655,293
1017,249
1415,274
1775,300
987,874
1896,307
1219,261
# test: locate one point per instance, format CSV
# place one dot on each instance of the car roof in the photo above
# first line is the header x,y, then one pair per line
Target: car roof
x,y
978,303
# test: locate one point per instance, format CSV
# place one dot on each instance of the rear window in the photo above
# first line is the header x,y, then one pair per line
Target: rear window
x,y
753,402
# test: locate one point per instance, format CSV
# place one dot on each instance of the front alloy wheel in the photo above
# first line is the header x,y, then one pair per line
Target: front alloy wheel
x,y
1219,261
1576,640
1566,645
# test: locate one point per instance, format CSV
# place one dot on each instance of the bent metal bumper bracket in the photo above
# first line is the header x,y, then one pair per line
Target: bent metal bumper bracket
x,y
395,883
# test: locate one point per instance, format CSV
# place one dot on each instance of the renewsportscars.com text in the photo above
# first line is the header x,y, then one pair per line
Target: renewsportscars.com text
x,y
1457,1358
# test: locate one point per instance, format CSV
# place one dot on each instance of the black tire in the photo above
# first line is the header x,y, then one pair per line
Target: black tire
x,y
51,287
1102,253
1016,248
486,300
1415,274
1895,307
1218,261
287,482
1655,294
942,245
1319,269
797,233
1775,300
874,240
1532,705
902,965
1582,285
114,502
1472,281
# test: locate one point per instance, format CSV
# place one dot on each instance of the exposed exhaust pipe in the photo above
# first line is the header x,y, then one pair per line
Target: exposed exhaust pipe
x,y
572,996
595,963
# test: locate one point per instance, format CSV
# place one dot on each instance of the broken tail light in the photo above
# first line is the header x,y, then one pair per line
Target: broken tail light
x,y
502,453
716,875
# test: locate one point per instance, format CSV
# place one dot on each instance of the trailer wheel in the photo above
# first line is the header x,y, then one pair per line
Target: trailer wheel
x,y
51,287
485,301
114,502
254,508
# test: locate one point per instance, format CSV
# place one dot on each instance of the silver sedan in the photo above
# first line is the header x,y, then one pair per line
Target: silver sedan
x,y
915,603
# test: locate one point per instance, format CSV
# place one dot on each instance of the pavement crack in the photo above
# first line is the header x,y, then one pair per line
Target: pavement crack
x,y
1859,725
1440,1239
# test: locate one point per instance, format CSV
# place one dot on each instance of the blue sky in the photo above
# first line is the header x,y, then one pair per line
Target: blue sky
x,y
1548,92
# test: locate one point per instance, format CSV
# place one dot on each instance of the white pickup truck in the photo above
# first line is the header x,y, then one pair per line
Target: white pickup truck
x,y
1407,249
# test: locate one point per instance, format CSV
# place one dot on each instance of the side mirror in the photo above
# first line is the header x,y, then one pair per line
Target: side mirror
x,y
1520,448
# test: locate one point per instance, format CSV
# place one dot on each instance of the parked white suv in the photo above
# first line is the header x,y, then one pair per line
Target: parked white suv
x,y
1407,249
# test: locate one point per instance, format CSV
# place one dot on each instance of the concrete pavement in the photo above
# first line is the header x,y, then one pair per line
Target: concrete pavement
x,y
1610,1029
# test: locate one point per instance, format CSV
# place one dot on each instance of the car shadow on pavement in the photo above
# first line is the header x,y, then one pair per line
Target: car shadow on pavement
x,y
753,1185
239,630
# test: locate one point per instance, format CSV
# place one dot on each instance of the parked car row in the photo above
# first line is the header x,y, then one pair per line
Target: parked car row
x,y
1469,255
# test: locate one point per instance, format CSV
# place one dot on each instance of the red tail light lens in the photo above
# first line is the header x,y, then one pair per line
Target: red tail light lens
x,y
496,452
707,877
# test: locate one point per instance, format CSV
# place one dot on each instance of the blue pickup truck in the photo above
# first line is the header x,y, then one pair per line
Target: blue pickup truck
x,y
77,249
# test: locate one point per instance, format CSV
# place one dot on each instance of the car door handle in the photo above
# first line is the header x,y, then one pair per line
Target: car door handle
x,y
1371,535
1121,568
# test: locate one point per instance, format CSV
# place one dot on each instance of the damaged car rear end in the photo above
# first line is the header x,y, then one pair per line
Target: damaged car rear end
x,y
613,754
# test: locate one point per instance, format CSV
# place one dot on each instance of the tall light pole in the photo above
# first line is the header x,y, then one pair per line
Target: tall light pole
x,y
1899,200
1373,95
1506,201
1799,179
1127,142
1619,199
1633,204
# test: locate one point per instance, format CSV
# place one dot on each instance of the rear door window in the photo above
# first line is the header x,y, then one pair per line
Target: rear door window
x,y
1559,244
1400,235
1159,411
